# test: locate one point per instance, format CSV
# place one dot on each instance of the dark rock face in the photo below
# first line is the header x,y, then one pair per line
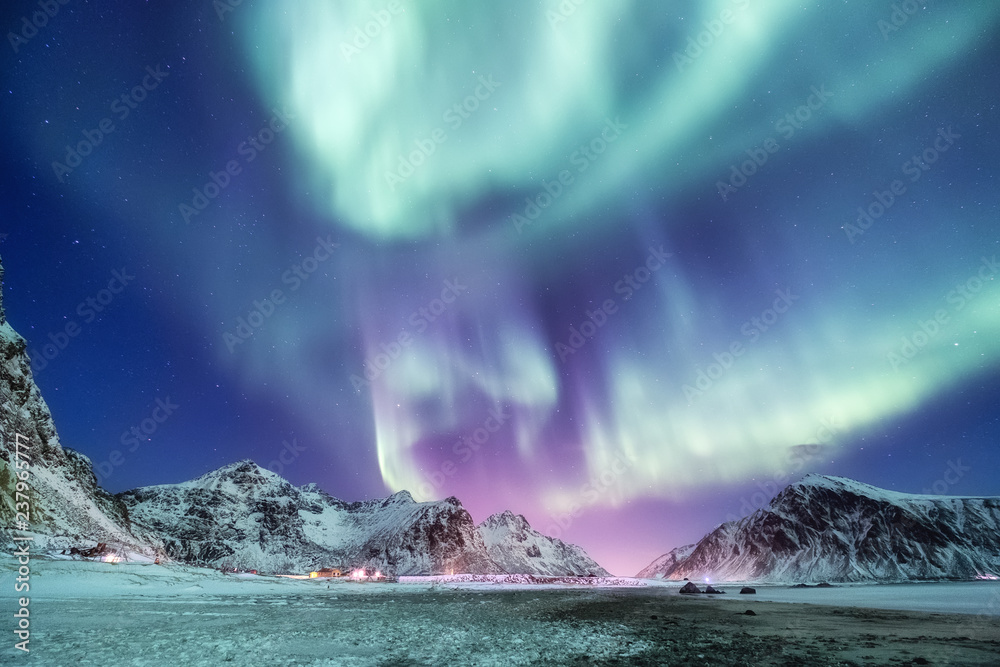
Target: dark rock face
x,y
746,590
836,529
712,590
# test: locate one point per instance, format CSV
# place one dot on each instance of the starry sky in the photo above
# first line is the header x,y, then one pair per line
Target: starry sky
x,y
624,267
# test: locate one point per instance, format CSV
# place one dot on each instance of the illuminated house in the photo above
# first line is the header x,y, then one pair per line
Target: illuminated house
x,y
326,572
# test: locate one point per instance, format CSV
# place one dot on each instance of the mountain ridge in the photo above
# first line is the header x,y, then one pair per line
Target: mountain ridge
x,y
246,517
239,514
828,528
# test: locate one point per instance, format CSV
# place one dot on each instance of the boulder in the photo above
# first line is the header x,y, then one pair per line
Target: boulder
x,y
711,590
690,589
746,590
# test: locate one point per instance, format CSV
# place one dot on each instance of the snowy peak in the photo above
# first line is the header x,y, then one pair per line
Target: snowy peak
x,y
844,485
244,474
246,517
517,548
838,529
399,498
515,523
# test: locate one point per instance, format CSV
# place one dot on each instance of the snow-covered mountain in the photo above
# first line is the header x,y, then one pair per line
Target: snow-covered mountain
x,y
666,563
244,516
836,529
239,515
66,507
518,548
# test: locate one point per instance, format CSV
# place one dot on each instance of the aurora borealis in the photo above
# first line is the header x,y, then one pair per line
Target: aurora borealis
x,y
617,266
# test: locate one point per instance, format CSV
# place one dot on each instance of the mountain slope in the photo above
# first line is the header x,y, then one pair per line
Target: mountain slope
x,y
517,548
666,563
244,516
837,529
67,507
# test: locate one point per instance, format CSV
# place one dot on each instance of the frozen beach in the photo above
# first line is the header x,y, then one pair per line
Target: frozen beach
x,y
143,614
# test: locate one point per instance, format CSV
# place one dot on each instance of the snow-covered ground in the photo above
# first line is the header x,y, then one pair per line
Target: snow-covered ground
x,y
144,614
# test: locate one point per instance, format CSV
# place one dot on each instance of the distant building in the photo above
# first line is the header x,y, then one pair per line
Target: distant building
x,y
326,572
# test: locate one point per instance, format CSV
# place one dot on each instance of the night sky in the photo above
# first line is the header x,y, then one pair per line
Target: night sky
x,y
626,268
